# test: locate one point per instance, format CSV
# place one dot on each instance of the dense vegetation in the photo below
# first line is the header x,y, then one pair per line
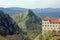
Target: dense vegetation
x,y
29,23
9,28
28,20
23,26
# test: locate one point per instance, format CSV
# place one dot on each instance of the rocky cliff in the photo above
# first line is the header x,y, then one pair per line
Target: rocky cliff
x,y
7,25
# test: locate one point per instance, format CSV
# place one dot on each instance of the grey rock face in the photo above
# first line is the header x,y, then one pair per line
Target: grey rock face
x,y
7,25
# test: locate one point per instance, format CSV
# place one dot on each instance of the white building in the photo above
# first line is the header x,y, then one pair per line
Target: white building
x,y
49,24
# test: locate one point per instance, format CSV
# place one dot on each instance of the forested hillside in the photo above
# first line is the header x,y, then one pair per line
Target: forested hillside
x,y
27,20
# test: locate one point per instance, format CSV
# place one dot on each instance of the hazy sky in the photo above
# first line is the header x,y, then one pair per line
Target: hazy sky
x,y
30,3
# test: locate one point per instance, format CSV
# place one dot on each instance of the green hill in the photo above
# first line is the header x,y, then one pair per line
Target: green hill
x,y
29,23
27,20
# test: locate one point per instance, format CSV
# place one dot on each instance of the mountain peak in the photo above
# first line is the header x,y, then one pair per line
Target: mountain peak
x,y
27,19
31,13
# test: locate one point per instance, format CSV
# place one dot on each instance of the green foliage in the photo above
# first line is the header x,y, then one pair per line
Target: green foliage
x,y
56,37
29,23
2,38
27,20
47,38
40,37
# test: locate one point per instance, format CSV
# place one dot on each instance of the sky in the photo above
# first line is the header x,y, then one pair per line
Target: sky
x,y
30,3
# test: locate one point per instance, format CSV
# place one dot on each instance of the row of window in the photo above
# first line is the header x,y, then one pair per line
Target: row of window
x,y
51,25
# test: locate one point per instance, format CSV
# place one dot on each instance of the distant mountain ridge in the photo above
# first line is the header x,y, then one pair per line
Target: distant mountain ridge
x,y
13,10
51,12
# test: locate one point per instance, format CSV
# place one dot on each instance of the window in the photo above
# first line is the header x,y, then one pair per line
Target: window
x,y
59,22
45,25
45,22
53,25
56,22
59,25
56,25
42,25
50,25
51,28
58,28
54,28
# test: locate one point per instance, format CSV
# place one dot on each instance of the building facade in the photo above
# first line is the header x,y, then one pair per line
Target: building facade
x,y
50,24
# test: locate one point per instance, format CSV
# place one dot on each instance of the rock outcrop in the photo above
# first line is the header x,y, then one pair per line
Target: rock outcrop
x,y
7,25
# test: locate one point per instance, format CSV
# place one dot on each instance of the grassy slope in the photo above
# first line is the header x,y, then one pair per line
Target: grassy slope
x,y
26,18
20,18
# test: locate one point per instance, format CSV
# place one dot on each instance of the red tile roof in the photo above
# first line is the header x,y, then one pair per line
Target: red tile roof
x,y
55,20
51,19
